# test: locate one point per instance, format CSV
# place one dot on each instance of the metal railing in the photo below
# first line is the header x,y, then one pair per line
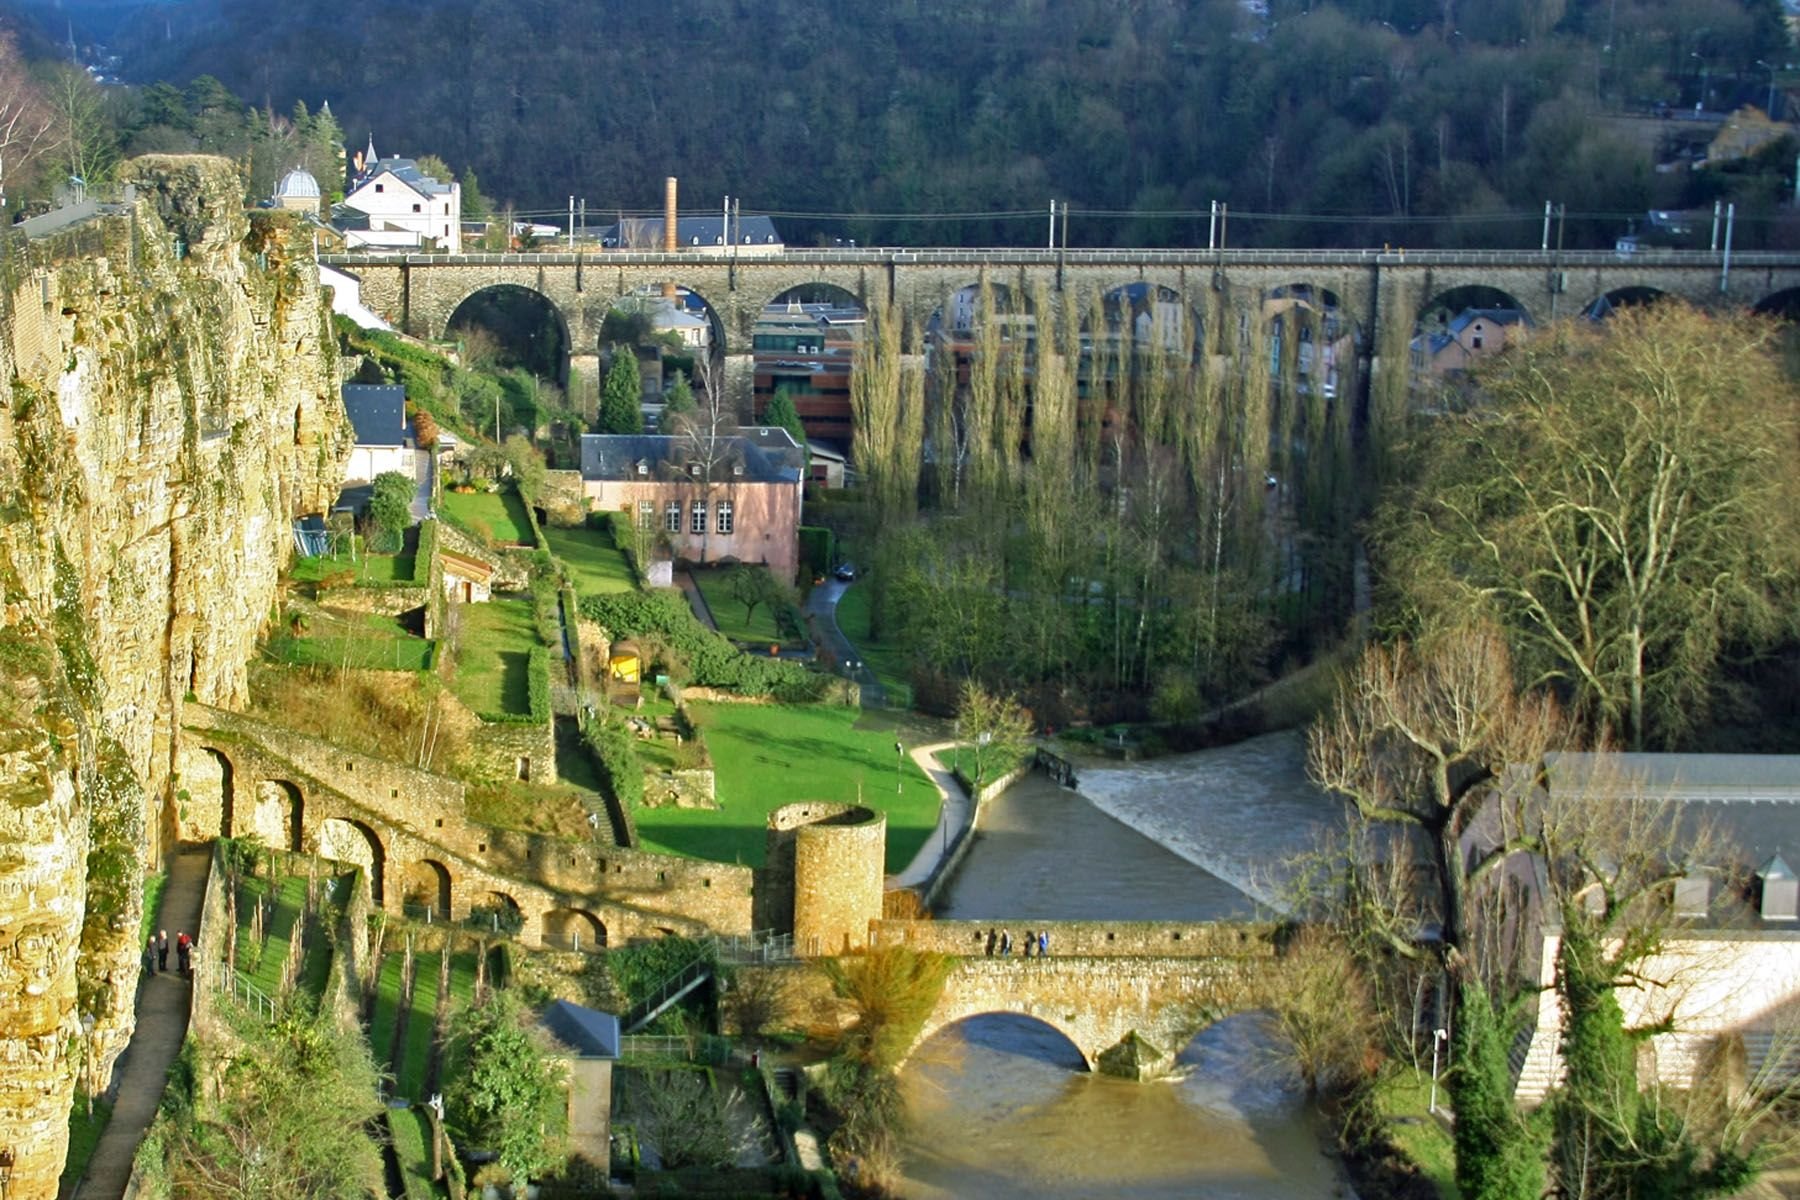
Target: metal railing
x,y
654,1045
233,983
698,971
1019,256
762,946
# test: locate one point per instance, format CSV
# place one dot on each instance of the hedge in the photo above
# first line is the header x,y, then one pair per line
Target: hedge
x,y
818,547
616,749
703,655
537,676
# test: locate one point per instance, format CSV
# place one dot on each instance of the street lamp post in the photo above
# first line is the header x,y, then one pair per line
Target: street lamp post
x,y
1769,108
1438,1038
899,766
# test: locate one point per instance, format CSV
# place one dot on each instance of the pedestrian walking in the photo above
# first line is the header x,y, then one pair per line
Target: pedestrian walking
x,y
993,940
183,953
1030,943
150,957
162,950
1043,943
1005,942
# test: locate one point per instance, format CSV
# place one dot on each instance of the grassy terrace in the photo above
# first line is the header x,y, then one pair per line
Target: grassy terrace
x,y
595,564
1404,1096
280,928
370,642
889,660
757,630
500,516
412,1133
387,1006
492,661
367,568
767,756
413,1059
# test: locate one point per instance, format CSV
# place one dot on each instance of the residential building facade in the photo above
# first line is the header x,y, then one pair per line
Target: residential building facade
x,y
734,497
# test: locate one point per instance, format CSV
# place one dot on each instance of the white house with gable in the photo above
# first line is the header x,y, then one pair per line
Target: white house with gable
x,y
395,206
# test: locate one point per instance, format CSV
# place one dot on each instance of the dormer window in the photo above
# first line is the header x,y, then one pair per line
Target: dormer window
x,y
1780,890
643,468
737,468
694,470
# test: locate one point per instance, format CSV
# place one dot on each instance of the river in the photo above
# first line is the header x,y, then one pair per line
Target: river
x,y
1002,1107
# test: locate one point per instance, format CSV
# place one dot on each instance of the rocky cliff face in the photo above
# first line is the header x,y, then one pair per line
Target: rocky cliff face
x,y
172,407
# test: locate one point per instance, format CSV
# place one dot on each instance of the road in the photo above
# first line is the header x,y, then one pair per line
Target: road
x,y
821,613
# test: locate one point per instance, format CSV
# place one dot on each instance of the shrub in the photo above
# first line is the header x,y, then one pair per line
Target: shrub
x,y
818,546
616,748
708,659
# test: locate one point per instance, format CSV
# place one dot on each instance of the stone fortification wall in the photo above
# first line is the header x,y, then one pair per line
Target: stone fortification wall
x,y
822,875
172,406
1075,939
421,816
384,601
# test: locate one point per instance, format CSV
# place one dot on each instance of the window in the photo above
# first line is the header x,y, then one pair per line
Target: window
x,y
674,513
724,522
380,187
698,524
1476,342
646,515
416,208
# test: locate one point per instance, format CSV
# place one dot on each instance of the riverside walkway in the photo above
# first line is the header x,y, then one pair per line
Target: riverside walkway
x,y
162,1021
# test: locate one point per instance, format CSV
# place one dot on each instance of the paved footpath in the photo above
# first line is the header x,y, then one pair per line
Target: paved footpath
x,y
954,815
162,1021
821,608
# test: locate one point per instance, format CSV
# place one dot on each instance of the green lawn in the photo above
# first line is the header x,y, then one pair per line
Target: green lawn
x,y
370,642
412,1141
492,659
279,932
368,568
421,1022
758,629
497,515
770,755
462,979
595,564
1405,1099
890,661
387,1006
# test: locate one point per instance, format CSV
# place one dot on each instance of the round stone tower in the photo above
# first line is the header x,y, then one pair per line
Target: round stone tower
x,y
824,874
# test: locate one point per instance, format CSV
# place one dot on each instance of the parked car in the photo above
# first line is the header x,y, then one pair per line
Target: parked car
x,y
845,571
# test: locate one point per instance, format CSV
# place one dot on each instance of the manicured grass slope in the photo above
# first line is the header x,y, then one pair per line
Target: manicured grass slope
x,y
493,657
770,755
595,564
500,515
728,612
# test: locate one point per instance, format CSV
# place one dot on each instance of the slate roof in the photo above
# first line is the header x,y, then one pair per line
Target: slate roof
x,y
589,1032
1497,316
696,231
769,455
378,413
407,171
1752,800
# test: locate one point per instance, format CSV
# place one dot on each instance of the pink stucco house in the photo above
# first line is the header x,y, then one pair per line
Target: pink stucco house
x,y
733,496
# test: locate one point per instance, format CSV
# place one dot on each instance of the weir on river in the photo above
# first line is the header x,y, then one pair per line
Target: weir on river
x,y
1004,1106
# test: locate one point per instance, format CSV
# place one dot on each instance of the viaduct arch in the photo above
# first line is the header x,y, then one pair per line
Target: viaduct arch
x,y
422,291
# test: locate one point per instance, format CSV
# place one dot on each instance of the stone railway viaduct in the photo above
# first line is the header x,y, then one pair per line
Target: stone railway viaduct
x,y
420,292
410,831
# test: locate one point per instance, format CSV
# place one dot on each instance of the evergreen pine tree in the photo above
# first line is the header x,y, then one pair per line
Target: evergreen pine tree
x,y
678,401
781,413
619,408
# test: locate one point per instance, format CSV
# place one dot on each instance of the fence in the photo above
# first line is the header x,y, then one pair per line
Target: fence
x,y
241,989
